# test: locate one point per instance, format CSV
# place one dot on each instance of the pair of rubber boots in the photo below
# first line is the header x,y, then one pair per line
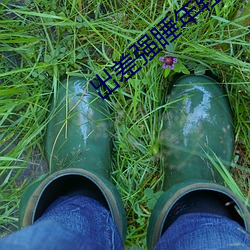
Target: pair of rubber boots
x,y
197,127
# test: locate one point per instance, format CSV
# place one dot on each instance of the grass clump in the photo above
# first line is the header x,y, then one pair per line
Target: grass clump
x,y
43,42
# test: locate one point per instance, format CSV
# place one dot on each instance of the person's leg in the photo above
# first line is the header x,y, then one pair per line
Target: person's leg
x,y
71,222
78,149
197,137
204,231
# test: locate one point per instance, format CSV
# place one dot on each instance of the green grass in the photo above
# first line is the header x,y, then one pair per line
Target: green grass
x,y
52,40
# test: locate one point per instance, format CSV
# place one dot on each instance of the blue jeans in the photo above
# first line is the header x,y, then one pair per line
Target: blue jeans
x,y
70,223
80,222
204,231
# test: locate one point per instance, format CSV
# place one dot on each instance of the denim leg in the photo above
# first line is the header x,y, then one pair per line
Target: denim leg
x,y
204,231
76,222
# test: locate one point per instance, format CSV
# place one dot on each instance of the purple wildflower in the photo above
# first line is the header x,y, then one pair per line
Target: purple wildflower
x,y
168,61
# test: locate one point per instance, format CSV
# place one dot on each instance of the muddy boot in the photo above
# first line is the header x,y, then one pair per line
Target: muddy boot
x,y
78,149
197,126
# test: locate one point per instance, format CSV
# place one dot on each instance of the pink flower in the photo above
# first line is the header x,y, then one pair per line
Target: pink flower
x,y
168,61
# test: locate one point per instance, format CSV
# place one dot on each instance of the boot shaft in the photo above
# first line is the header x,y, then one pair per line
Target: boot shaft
x,y
197,122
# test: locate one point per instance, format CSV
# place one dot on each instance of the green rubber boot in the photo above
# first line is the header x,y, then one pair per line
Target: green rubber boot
x,y
198,123
78,149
